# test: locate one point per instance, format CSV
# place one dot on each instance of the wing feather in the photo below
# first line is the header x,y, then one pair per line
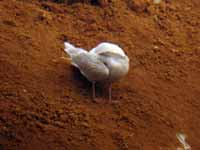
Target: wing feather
x,y
91,67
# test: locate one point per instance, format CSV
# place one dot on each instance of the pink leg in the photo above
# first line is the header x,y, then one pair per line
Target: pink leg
x,y
110,93
93,91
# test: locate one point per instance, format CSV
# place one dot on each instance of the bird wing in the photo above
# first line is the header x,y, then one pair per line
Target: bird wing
x,y
107,47
91,67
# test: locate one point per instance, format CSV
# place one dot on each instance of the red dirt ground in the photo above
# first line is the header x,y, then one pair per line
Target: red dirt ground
x,y
45,104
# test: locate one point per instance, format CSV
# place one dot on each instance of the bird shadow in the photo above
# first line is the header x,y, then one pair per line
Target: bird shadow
x,y
79,78
76,82
83,83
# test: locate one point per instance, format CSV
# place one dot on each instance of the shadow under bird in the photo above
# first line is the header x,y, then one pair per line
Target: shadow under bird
x,y
106,63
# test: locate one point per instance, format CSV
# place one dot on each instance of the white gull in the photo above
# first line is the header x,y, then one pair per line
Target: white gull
x,y
105,63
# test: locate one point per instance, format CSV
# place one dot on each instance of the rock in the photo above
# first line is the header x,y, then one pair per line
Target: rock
x,y
157,1
43,15
85,124
138,5
103,3
95,2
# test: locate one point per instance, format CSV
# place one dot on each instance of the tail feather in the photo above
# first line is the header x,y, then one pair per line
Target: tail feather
x,y
71,50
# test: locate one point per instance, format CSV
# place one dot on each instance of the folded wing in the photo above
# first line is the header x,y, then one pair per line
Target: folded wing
x,y
91,67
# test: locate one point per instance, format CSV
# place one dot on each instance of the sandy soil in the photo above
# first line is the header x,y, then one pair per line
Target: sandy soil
x,y
45,103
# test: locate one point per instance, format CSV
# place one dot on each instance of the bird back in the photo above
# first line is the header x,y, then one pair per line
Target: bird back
x,y
106,47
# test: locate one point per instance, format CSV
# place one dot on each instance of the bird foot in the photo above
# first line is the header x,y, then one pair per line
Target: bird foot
x,y
113,102
103,101
99,100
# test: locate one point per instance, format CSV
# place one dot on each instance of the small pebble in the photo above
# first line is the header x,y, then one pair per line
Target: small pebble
x,y
156,1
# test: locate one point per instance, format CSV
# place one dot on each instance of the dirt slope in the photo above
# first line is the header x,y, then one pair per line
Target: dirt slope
x,y
46,104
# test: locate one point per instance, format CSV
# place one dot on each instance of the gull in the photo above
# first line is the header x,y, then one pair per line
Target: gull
x,y
105,63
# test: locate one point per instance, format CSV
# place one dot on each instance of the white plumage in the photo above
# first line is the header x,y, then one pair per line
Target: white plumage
x,y
106,62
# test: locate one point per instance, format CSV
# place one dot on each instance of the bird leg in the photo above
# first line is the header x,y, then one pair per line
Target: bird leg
x,y
93,91
110,95
97,100
110,92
